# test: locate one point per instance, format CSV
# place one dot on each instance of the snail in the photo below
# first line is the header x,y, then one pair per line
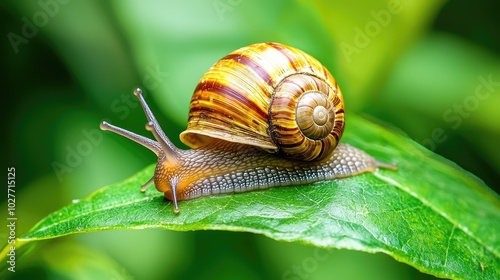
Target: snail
x,y
265,115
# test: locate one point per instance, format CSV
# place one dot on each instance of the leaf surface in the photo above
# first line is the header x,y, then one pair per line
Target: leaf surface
x,y
429,213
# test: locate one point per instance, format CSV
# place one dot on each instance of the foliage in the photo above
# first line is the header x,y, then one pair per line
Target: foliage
x,y
431,222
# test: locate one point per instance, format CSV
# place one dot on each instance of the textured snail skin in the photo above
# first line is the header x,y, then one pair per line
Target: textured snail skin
x,y
266,115
225,167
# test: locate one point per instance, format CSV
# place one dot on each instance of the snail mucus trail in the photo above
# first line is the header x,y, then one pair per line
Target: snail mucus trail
x,y
234,164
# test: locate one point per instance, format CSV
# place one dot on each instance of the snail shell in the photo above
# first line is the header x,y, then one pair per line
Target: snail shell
x,y
262,98
271,96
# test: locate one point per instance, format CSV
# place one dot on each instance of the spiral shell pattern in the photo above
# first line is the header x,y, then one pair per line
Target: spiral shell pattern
x,y
271,96
306,118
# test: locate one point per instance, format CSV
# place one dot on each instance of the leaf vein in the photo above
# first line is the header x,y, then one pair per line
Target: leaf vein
x,y
443,214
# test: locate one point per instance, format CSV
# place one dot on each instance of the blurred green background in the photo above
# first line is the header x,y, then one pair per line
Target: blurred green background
x,y
427,69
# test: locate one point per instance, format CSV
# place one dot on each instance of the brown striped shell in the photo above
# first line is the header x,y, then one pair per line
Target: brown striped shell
x,y
271,96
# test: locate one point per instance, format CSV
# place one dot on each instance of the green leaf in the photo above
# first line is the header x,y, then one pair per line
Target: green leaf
x,y
429,213
371,35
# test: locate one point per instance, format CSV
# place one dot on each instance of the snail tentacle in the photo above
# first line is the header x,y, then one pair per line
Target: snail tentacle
x,y
168,148
147,184
144,141
266,115
139,139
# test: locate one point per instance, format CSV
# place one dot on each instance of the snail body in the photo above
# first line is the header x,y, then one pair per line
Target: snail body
x,y
266,115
